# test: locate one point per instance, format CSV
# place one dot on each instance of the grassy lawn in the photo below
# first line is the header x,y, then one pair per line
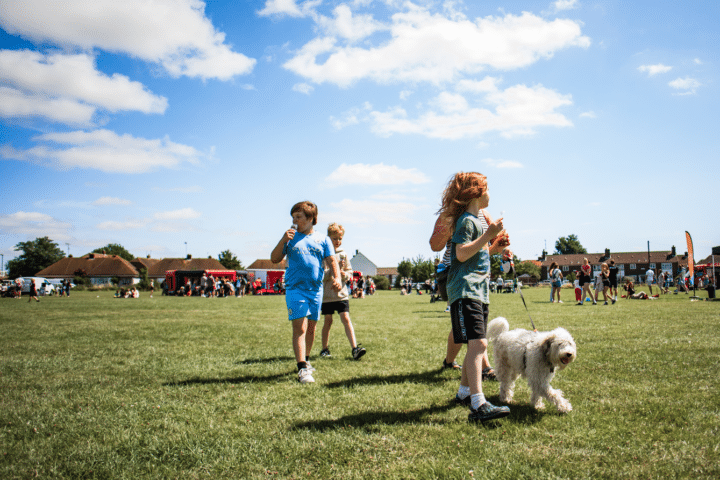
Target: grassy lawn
x,y
97,387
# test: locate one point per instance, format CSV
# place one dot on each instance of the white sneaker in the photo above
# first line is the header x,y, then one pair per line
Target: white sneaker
x,y
310,368
560,301
447,309
305,376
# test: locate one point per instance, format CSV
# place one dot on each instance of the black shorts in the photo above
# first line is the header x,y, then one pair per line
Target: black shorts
x,y
584,279
442,289
613,282
469,319
340,306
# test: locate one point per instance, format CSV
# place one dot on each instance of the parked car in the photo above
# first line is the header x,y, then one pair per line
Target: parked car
x,y
42,284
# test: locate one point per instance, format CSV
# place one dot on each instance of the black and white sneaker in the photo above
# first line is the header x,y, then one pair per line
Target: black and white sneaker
x,y
358,352
487,411
325,352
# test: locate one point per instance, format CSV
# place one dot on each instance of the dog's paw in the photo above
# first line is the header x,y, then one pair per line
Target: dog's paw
x,y
564,407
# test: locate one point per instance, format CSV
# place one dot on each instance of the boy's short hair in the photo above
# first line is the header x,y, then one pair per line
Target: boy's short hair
x,y
335,230
308,208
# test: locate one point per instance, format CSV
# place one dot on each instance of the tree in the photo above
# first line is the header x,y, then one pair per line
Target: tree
x,y
527,267
230,261
115,249
404,269
37,254
568,245
422,269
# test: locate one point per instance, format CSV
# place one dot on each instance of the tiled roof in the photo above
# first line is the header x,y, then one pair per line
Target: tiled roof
x,y
158,269
94,265
147,263
266,264
387,271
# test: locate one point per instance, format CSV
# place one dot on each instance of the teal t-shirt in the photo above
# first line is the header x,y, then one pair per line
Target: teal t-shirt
x,y
471,278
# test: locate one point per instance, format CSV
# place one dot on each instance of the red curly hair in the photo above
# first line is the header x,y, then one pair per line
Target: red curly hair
x,y
460,190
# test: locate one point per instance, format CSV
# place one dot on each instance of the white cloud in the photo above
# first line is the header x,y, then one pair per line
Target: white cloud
x,y
102,201
368,212
378,174
348,26
305,88
34,224
426,47
688,84
104,150
175,34
115,225
518,110
698,61
502,163
565,4
14,104
654,69
589,114
182,214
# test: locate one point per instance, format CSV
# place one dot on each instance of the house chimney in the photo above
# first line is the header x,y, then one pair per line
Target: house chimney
x,y
148,256
607,253
91,255
674,253
189,257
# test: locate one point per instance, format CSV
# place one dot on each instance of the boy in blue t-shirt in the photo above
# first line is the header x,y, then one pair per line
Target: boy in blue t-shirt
x,y
306,252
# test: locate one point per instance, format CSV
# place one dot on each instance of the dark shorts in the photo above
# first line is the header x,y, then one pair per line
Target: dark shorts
x,y
613,282
584,279
442,289
606,283
340,306
469,319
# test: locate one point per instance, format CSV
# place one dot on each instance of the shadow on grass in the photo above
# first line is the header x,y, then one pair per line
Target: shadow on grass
x,y
431,376
368,419
252,361
243,379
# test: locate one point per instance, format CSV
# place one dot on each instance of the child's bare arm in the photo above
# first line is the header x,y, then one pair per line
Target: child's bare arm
x,y
332,264
465,251
277,254
441,233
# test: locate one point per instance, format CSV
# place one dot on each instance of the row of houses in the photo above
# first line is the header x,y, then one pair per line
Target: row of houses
x,y
630,264
101,269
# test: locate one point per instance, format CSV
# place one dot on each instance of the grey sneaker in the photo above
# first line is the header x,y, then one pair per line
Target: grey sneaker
x,y
358,352
487,411
305,376
325,352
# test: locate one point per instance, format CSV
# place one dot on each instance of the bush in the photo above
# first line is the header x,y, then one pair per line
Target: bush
x,y
381,282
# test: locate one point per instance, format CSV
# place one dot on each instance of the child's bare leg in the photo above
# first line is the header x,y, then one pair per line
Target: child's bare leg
x,y
299,329
310,336
452,349
327,323
472,371
349,330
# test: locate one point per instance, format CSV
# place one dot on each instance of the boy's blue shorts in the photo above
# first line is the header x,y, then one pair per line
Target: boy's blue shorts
x,y
303,304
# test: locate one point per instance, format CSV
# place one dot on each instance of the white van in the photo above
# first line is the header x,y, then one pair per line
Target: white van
x,y
43,285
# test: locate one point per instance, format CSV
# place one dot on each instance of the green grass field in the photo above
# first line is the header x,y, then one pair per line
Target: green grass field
x,y
97,387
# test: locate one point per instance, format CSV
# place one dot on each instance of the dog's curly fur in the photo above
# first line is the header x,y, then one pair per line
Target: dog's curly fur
x,y
534,355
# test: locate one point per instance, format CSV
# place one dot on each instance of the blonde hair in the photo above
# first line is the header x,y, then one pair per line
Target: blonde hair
x,y
460,191
335,229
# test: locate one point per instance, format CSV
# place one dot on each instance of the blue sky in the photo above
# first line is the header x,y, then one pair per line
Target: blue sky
x,y
174,127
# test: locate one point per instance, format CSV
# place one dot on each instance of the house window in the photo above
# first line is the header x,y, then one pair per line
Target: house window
x,y
565,268
632,266
652,265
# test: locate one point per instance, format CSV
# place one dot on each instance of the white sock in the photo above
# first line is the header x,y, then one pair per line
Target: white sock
x,y
463,392
476,400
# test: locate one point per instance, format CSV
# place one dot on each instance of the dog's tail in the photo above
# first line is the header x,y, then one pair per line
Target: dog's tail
x,y
496,327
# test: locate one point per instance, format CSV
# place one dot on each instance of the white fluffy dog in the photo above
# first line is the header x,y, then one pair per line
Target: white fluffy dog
x,y
534,355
